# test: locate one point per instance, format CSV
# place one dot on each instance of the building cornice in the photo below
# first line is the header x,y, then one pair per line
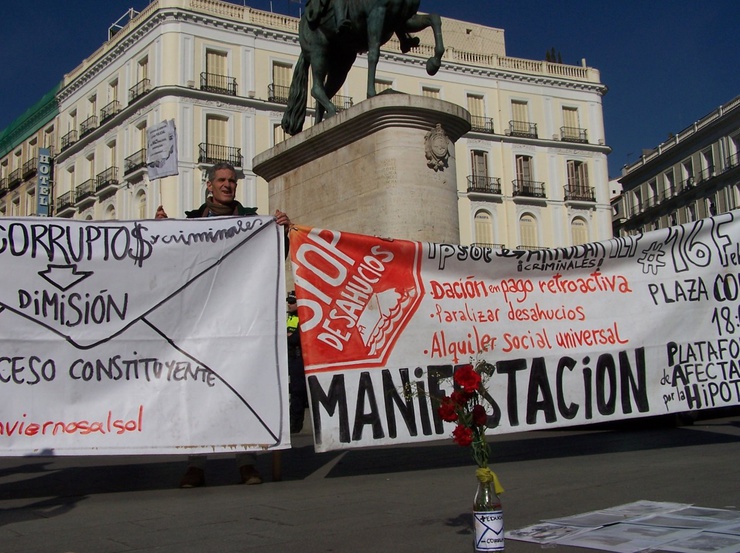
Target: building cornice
x,y
170,14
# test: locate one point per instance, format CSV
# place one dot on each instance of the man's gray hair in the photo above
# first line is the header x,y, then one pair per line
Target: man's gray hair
x,y
211,173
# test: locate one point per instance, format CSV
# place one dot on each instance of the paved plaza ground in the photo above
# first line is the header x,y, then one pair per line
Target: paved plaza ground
x,y
410,499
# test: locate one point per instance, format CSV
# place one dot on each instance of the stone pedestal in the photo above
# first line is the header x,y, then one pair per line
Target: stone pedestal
x,y
385,167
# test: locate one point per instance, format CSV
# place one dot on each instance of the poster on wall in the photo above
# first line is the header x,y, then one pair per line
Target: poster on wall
x,y
163,336
161,150
630,327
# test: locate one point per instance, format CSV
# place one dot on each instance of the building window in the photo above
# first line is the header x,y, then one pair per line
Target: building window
x,y
707,157
140,205
687,170
430,92
483,228
278,134
475,105
528,231
479,163
142,69
578,177
216,130
579,231
669,183
382,85
110,213
31,203
50,138
524,169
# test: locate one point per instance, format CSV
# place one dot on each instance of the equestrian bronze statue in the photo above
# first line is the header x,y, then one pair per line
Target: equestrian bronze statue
x,y
333,32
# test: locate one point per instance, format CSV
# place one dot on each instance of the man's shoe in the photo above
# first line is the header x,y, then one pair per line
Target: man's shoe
x,y
193,478
249,475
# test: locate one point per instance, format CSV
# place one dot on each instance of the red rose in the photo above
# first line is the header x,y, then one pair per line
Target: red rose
x,y
467,378
447,410
462,435
460,397
480,417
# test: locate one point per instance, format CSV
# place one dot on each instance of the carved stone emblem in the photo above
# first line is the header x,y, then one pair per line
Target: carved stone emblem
x,y
436,148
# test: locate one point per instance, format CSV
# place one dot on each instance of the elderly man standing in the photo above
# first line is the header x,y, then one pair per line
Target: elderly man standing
x,y
220,202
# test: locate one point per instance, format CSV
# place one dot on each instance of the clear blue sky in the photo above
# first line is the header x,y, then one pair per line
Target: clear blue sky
x,y
667,63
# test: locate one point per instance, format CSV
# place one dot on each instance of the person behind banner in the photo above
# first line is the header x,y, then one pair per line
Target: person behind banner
x,y
296,374
220,202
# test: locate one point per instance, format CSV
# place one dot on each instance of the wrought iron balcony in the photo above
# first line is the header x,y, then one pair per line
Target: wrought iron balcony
x,y
134,162
523,129
85,190
14,179
579,193
486,245
342,102
221,84
529,188
30,167
481,124
3,186
109,111
574,134
68,139
139,89
277,93
65,201
733,161
531,248
484,185
215,153
88,125
107,178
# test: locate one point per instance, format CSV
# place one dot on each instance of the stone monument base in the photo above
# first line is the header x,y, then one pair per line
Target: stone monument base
x,y
384,167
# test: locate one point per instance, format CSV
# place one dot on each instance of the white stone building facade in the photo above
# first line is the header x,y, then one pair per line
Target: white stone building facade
x,y
532,173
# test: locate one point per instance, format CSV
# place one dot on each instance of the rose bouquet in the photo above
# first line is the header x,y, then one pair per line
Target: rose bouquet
x,y
464,407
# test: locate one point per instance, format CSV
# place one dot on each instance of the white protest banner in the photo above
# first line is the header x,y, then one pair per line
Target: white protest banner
x,y
161,150
630,327
131,337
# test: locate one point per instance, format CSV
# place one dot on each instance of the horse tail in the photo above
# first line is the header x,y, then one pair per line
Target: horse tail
x,y
295,113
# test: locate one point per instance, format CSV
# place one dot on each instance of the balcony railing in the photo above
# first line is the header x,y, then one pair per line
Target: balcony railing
x,y
220,84
65,201
3,186
484,185
277,93
487,245
14,179
139,89
579,193
109,111
342,102
529,188
107,178
68,139
85,190
215,153
481,124
88,125
523,129
531,248
574,134
134,162
30,167
733,161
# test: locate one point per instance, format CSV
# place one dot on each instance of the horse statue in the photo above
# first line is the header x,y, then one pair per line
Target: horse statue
x,y
331,34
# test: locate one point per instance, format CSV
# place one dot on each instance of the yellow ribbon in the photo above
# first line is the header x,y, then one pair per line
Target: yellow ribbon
x,y
485,474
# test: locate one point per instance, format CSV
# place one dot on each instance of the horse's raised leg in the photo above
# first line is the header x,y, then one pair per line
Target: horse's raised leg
x,y
375,21
420,22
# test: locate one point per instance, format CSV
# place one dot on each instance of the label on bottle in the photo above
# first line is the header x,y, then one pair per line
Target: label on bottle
x,y
489,530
